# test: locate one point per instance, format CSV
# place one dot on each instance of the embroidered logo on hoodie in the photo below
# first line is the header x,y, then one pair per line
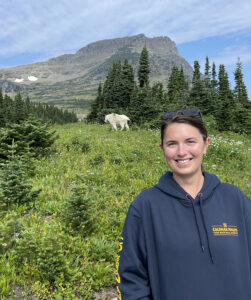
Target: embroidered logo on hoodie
x,y
225,230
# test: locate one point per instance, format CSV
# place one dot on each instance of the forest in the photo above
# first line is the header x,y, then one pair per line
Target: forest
x,y
144,103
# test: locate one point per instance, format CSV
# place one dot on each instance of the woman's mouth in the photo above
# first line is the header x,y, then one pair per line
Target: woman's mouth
x,y
183,161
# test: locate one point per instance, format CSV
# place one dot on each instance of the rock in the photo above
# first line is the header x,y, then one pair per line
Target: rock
x,y
106,294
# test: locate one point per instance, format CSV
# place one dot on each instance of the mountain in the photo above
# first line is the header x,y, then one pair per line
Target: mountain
x,y
71,80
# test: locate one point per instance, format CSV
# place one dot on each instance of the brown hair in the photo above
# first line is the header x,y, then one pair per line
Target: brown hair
x,y
196,122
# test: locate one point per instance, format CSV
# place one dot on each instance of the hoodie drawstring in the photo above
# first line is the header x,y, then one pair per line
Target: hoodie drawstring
x,y
204,224
197,224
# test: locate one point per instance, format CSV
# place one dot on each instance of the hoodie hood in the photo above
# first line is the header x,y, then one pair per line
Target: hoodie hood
x,y
169,186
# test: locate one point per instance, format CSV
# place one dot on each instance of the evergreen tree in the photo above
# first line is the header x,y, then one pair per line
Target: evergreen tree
x,y
177,89
8,109
226,105
198,95
241,119
135,104
214,82
30,133
112,87
19,109
78,212
127,84
210,89
15,185
2,112
97,106
240,90
173,86
158,94
144,68
207,74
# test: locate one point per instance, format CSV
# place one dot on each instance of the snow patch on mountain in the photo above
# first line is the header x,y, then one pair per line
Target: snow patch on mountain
x,y
32,78
19,80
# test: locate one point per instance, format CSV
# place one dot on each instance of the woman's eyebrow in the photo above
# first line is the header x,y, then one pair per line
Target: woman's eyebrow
x,y
171,141
191,138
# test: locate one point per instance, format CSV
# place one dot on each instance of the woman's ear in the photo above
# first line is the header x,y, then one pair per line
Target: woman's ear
x,y
207,142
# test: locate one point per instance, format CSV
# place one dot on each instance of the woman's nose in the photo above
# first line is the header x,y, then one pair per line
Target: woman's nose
x,y
181,151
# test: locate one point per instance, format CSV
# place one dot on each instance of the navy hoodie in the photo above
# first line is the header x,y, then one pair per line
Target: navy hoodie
x,y
174,247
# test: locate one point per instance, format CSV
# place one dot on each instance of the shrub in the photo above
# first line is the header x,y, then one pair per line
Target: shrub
x,y
10,230
15,185
40,252
78,212
30,133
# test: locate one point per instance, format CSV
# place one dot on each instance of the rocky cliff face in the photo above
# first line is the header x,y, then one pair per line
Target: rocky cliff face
x,y
69,79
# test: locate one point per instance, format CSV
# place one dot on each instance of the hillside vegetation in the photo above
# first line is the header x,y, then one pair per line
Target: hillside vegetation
x,y
64,246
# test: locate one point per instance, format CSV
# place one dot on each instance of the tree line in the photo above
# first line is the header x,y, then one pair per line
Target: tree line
x,y
16,110
229,109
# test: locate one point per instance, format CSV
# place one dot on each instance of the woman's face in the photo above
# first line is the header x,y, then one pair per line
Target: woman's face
x,y
183,147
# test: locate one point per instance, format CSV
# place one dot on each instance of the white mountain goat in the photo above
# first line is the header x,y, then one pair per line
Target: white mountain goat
x,y
115,119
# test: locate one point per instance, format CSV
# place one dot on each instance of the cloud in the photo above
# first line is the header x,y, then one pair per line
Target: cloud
x,y
55,27
229,55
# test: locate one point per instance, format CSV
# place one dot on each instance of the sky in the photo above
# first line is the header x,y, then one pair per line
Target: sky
x,y
34,31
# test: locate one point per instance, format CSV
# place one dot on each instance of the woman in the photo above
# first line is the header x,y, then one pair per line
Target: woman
x,y
189,236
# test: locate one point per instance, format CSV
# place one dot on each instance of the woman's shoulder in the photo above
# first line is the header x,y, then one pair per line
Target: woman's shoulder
x,y
144,198
229,187
233,193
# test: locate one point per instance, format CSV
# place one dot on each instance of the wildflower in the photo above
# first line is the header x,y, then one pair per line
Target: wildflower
x,y
16,234
4,244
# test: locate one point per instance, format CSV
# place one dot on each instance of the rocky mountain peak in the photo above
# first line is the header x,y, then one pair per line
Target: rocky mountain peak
x,y
71,78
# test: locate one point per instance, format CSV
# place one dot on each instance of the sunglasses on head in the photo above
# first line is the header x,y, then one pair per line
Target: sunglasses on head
x,y
190,112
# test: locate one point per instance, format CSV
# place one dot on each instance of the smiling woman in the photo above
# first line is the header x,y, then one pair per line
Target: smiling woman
x,y
189,236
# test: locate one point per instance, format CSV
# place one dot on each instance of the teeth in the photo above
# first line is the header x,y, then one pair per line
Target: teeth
x,y
183,161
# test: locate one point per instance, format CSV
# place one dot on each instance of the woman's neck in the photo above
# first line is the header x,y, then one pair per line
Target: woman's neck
x,y
192,184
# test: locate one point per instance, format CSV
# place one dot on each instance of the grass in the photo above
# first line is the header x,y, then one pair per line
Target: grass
x,y
44,254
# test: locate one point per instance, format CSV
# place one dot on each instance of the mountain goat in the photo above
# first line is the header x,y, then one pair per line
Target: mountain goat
x,y
115,119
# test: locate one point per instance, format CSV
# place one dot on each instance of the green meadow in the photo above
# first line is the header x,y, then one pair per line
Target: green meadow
x,y
65,245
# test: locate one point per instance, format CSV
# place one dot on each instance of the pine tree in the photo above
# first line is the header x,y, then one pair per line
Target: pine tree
x,y
15,185
210,89
2,112
158,94
30,133
173,86
226,105
78,212
177,89
8,109
97,106
214,82
19,109
112,87
127,84
198,95
207,74
240,90
144,68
